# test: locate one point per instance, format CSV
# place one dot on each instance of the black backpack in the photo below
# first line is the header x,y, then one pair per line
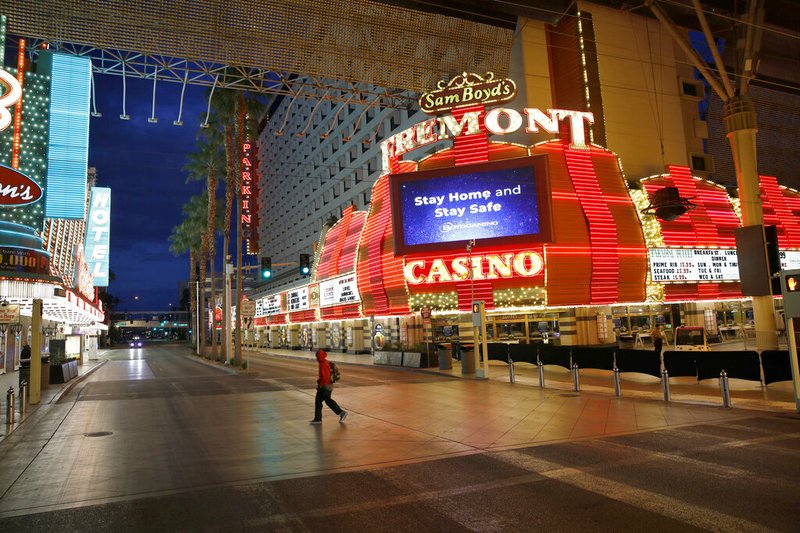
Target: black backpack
x,y
335,374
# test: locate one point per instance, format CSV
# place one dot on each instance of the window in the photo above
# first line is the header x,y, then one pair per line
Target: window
x,y
693,89
701,163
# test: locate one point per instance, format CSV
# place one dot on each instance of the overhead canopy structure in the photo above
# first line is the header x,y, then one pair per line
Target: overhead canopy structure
x,y
278,46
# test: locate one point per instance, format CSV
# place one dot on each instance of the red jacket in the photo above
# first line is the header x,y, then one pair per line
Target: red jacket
x,y
324,368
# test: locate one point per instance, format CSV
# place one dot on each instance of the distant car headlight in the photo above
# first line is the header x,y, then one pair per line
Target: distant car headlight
x,y
132,345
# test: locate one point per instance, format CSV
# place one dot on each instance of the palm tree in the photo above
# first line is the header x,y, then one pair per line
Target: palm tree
x,y
190,236
206,163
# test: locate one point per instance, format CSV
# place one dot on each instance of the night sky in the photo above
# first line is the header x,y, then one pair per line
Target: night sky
x,y
142,162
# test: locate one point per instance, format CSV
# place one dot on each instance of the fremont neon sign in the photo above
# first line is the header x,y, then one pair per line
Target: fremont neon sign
x,y
498,121
525,264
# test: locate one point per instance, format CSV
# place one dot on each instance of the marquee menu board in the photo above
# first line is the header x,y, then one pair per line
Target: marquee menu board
x,y
338,291
696,264
790,260
297,299
693,264
269,305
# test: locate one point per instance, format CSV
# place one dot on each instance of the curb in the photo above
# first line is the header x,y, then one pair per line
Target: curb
x,y
65,390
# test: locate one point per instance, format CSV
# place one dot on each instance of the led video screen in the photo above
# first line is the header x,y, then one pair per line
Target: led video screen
x,y
505,201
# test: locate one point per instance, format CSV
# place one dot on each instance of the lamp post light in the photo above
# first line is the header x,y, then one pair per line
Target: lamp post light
x,y
16,329
4,344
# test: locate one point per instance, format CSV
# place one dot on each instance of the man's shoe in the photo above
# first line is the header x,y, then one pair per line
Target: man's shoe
x,y
315,422
342,416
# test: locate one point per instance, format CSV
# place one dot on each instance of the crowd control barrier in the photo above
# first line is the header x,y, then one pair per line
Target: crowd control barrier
x,y
777,366
640,361
736,364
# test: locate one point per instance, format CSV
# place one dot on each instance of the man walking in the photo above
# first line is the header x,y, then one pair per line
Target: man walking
x,y
325,389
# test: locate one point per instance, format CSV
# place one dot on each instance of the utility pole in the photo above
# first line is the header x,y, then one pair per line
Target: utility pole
x,y
741,124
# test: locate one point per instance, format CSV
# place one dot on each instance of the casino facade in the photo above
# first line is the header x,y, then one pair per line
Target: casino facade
x,y
538,194
552,237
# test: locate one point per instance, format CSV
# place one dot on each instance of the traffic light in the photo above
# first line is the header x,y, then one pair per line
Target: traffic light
x,y
266,268
305,265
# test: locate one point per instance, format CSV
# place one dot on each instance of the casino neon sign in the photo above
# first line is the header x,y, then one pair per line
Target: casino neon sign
x,y
12,95
498,121
526,264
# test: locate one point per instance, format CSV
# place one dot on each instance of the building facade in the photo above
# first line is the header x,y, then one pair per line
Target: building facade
x,y
43,209
610,106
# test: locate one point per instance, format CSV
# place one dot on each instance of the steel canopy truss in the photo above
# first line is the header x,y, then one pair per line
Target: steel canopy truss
x,y
204,73
288,47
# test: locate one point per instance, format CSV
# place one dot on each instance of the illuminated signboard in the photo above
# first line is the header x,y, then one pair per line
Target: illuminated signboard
x,y
338,291
701,264
790,260
68,149
670,264
248,184
269,305
14,259
498,121
297,299
501,202
11,95
97,235
17,189
478,267
467,89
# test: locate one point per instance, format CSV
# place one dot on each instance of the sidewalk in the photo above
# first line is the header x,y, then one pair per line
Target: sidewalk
x,y
49,395
777,397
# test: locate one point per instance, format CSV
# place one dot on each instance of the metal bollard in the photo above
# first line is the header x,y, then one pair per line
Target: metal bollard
x,y
511,370
23,397
617,388
726,390
665,384
576,379
541,373
10,406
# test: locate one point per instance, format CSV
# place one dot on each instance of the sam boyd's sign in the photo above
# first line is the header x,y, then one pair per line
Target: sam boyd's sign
x,y
465,90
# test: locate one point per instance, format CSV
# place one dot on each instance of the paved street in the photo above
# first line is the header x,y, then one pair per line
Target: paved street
x,y
156,440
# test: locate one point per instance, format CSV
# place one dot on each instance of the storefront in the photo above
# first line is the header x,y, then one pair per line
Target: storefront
x,y
560,246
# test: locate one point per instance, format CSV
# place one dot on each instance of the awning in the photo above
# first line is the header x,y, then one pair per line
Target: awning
x,y
58,305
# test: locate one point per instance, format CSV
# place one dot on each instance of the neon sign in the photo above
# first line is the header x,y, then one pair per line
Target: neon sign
x,y
12,95
247,196
17,189
525,264
441,128
97,235
466,90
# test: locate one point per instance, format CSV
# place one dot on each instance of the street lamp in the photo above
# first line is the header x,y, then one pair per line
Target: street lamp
x,y
16,328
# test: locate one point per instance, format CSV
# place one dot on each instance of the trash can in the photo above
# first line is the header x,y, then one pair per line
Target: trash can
x,y
467,358
445,356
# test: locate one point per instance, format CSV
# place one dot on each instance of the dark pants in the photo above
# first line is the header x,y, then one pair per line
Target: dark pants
x,y
324,395
657,344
